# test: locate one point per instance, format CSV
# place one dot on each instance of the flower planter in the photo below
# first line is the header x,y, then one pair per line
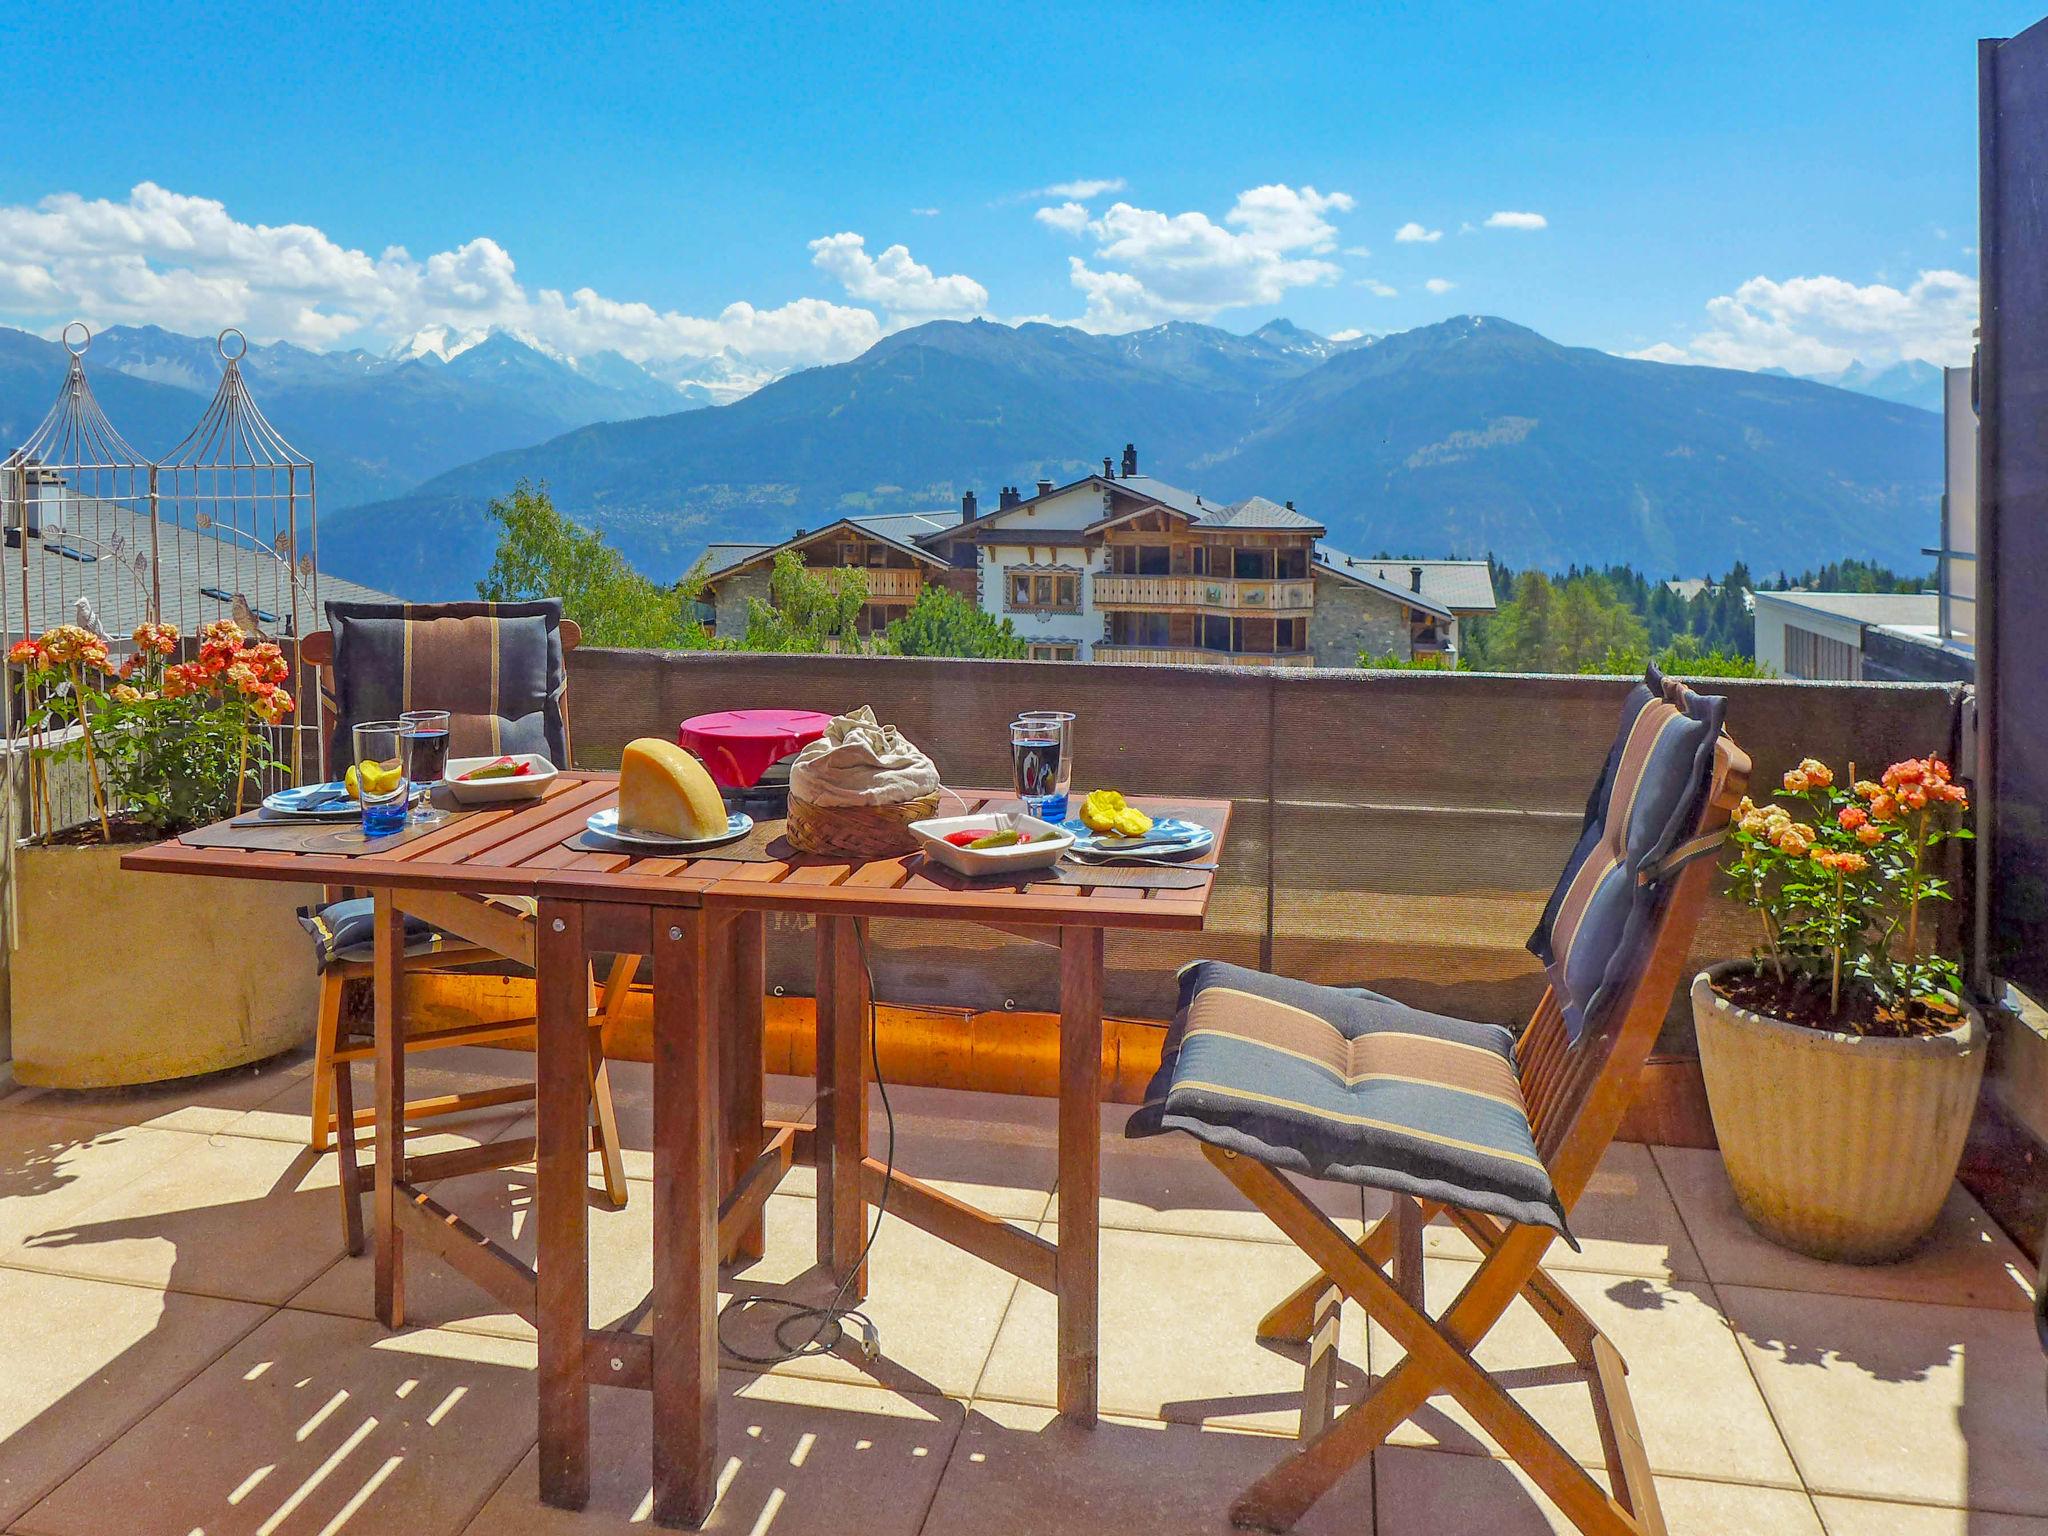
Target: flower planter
x,y
1840,1146
127,978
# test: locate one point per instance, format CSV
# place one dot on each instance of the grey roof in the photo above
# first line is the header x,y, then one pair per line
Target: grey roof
x,y
904,527
724,556
1364,576
1463,586
1258,512
197,567
869,526
1902,608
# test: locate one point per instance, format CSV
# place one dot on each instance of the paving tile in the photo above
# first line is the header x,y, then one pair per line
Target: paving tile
x,y
53,1169
499,1204
1863,1517
227,1216
1626,1223
1696,1401
1425,1493
86,1360
935,1308
1902,1400
798,1458
1020,1469
1178,1334
314,1423
1967,1261
204,1104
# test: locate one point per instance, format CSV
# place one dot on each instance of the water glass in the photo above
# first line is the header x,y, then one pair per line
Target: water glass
x,y
381,750
1041,750
427,759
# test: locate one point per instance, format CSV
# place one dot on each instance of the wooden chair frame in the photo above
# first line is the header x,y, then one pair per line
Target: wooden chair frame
x,y
490,931
1576,1097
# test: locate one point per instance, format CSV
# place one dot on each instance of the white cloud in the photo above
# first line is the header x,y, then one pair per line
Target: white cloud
x,y
1823,324
184,262
1507,219
1360,251
1439,285
1378,289
1067,218
1083,190
1413,233
1153,266
1351,335
901,286
1661,352
926,213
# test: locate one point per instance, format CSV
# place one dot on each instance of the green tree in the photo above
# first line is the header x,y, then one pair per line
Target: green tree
x,y
1683,657
807,610
541,553
943,623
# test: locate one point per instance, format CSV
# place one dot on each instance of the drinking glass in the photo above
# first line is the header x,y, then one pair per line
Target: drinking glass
x,y
380,768
1062,723
428,761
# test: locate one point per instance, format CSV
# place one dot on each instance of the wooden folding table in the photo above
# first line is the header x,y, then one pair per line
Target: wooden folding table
x,y
716,1159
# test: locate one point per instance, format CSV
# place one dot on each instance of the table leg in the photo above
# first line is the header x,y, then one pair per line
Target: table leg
x,y
562,1248
741,1029
1080,1172
842,1135
387,942
686,1112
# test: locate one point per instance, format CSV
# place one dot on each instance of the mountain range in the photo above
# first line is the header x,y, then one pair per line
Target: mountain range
x,y
1471,436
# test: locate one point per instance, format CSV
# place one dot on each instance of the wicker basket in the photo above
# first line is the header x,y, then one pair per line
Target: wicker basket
x,y
858,831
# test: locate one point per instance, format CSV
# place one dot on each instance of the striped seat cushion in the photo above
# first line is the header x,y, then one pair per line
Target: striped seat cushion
x,y
1353,1086
495,667
1647,801
343,931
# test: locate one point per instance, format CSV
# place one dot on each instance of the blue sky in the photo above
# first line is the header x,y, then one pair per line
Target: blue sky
x,y
1742,183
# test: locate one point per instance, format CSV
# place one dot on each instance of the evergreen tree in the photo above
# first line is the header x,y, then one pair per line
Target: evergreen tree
x,y
942,623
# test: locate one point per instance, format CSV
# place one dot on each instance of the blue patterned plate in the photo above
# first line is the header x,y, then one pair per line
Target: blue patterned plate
x,y
605,824
1171,837
320,802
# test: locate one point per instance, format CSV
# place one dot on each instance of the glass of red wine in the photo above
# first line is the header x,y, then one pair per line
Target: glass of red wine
x,y
426,745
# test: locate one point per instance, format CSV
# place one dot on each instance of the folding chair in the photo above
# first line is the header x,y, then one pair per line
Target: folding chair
x,y
500,669
1499,1133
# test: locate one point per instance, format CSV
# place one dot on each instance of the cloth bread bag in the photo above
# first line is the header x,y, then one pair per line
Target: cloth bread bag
x,y
860,761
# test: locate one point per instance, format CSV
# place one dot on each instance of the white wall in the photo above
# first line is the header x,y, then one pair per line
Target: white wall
x,y
1773,613
1076,509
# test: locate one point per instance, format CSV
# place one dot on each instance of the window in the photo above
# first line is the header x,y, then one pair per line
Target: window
x,y
1252,564
1056,651
1215,632
1290,564
1055,591
1155,560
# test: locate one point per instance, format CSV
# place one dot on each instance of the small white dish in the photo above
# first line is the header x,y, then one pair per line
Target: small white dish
x,y
993,861
525,786
605,824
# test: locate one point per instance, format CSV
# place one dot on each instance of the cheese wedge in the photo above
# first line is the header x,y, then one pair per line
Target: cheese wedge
x,y
665,792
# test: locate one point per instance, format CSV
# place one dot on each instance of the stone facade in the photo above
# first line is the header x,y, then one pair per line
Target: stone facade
x,y
1349,619
732,593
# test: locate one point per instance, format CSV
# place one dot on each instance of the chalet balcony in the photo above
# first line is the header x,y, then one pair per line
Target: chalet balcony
x,y
1214,594
885,584
188,1346
1196,656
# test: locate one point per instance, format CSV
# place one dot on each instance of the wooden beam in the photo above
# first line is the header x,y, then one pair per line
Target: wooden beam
x,y
739,1214
387,940
842,1078
490,925
471,1253
617,1357
563,1243
1024,1254
1080,1169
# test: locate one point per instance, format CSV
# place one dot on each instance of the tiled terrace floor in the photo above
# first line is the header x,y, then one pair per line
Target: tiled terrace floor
x,y
183,1350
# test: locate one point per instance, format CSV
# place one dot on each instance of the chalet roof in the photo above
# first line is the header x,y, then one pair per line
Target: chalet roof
x,y
1462,586
1258,512
1359,574
862,526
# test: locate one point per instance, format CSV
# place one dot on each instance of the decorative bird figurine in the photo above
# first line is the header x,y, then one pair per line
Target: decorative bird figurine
x,y
245,616
87,618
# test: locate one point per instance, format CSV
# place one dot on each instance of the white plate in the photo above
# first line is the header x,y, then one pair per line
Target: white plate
x,y
1171,837
992,861
605,824
527,786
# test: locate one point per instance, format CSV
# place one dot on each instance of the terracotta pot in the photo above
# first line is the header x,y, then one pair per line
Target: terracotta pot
x,y
1839,1146
127,978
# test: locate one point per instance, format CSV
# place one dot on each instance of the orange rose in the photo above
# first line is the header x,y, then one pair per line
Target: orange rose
x,y
1852,817
1870,837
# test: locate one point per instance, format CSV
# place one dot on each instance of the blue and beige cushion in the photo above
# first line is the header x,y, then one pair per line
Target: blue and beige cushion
x,y
341,930
1353,1086
495,667
1645,805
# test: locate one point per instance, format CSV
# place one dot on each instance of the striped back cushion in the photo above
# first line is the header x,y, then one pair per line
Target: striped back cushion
x,y
1647,801
1350,1085
495,667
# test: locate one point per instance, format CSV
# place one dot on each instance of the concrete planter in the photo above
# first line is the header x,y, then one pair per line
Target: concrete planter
x,y
127,978
1839,1146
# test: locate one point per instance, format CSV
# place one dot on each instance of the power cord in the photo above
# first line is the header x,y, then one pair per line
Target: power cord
x,y
828,1322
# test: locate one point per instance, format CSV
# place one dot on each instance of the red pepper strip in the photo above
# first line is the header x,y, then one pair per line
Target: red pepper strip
x,y
962,838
